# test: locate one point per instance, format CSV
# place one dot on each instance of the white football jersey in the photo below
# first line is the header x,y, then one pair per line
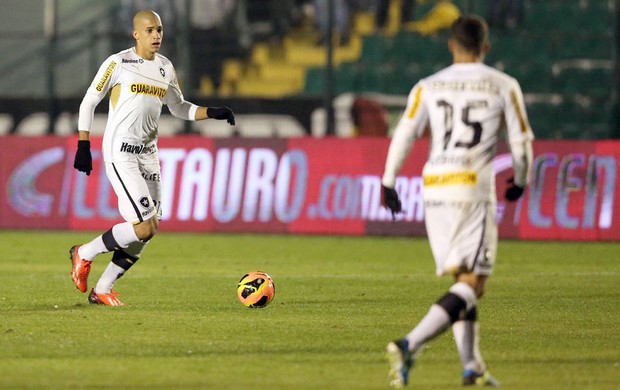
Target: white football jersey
x,y
466,106
138,88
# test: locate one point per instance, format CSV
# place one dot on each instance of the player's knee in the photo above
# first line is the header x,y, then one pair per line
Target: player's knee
x,y
479,286
476,282
147,229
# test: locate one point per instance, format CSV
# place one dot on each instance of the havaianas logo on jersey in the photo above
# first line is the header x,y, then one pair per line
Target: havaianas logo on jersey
x,y
137,149
106,76
445,179
148,90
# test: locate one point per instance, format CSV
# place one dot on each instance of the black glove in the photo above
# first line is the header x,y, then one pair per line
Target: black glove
x,y
83,159
513,192
391,201
221,113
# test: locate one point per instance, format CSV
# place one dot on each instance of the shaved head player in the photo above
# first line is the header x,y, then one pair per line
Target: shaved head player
x,y
466,106
138,81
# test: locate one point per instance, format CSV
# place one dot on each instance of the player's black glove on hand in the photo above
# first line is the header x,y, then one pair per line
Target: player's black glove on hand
x,y
221,113
391,201
83,159
513,192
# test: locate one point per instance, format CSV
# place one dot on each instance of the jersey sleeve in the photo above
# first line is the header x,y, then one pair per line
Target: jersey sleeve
x,y
519,134
106,77
178,106
411,125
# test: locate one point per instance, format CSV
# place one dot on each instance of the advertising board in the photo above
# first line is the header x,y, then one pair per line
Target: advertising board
x,y
303,185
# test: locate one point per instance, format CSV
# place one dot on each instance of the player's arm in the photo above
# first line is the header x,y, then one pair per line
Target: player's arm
x,y
106,76
411,125
216,113
181,108
520,137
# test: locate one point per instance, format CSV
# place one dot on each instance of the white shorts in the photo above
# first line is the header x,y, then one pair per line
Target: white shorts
x,y
462,235
137,184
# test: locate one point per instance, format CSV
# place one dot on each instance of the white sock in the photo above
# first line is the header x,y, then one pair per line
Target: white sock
x,y
121,235
111,274
465,336
477,355
434,323
466,330
89,250
122,261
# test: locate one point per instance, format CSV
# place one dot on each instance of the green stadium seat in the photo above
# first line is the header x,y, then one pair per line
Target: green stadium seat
x,y
539,15
520,47
585,45
369,79
399,79
584,121
600,130
533,76
595,82
593,16
554,34
346,77
574,130
373,49
479,7
410,47
315,80
542,118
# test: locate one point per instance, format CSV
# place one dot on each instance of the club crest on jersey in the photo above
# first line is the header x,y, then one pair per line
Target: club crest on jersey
x,y
144,201
162,71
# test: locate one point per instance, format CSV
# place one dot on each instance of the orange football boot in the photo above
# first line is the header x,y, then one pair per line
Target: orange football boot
x,y
107,299
80,269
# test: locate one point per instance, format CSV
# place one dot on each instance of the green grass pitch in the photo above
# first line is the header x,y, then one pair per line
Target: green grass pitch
x,y
550,319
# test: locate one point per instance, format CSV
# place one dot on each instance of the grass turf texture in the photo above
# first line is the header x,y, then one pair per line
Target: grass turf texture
x,y
549,321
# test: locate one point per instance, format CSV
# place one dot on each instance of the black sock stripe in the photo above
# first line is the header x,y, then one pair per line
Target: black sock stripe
x,y
472,314
135,207
109,241
123,260
454,305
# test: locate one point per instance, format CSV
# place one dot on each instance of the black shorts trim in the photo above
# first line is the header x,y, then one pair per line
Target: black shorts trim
x,y
135,207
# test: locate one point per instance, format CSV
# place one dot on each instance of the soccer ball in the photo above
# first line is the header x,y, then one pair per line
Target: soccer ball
x,y
256,289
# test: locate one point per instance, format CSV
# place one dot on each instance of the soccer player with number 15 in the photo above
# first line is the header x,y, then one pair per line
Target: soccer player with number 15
x,y
466,106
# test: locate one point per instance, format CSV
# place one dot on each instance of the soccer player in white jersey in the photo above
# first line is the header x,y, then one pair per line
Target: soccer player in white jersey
x,y
139,81
465,106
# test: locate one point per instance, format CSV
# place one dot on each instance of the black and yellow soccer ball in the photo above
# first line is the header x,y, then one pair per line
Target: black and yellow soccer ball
x,y
256,289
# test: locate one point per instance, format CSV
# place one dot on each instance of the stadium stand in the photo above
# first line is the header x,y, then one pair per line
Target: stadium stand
x,y
566,72
562,52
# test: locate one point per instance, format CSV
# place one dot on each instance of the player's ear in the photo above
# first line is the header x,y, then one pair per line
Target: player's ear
x,y
486,47
451,45
134,33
